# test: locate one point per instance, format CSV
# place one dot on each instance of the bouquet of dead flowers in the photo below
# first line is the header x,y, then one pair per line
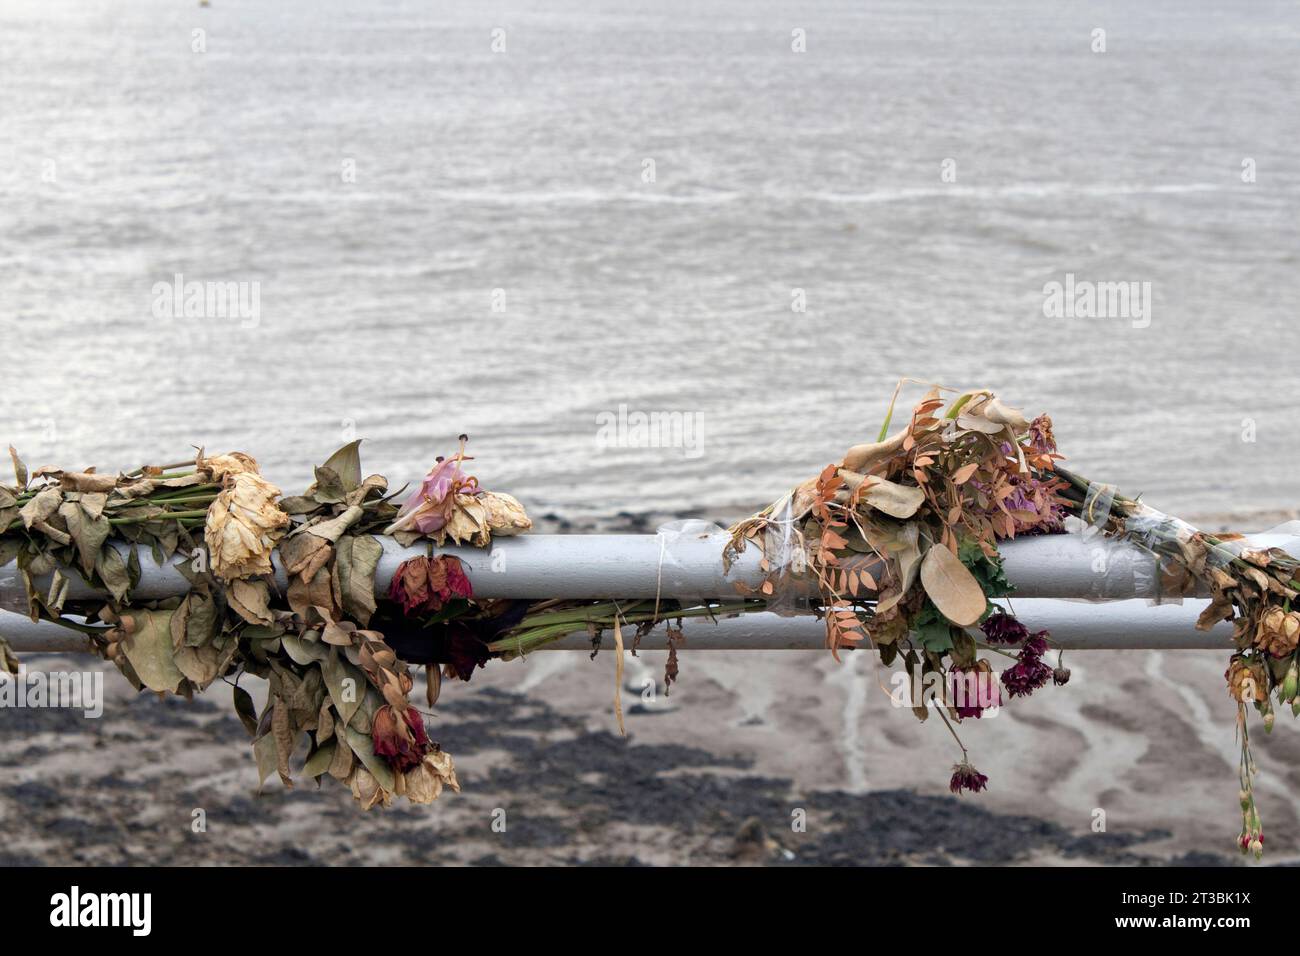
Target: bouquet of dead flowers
x,y
337,656
334,681
900,539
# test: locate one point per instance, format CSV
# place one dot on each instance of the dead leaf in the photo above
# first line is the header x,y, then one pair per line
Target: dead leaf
x,y
952,587
862,458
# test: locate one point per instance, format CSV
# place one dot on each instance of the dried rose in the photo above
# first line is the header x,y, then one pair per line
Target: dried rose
x,y
974,689
424,783
1246,680
457,584
243,525
410,585
468,521
366,790
426,584
399,739
465,652
232,464
1278,631
505,515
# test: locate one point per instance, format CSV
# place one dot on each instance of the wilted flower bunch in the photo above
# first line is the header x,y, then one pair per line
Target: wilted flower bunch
x,y
245,521
895,546
900,540
333,677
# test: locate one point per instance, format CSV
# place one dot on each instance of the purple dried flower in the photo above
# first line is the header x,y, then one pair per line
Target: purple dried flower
x,y
1025,676
973,690
1035,645
966,777
1001,628
1041,438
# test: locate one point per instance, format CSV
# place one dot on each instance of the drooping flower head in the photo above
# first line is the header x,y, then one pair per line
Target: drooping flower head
x,y
1001,628
424,783
1035,645
966,777
425,584
1029,671
974,689
399,739
1025,676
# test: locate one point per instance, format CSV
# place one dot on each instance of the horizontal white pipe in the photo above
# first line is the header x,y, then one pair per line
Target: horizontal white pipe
x,y
1073,624
688,566
1078,625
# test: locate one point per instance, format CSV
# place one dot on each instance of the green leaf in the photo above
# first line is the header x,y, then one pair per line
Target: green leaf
x,y
932,630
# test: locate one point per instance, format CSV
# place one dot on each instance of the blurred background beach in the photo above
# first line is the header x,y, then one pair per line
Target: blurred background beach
x,y
446,211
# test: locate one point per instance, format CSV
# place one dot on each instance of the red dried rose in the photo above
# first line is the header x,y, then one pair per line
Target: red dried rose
x,y
401,740
426,584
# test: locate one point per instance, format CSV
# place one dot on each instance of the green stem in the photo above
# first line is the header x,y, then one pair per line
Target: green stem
x,y
529,637
191,499
169,516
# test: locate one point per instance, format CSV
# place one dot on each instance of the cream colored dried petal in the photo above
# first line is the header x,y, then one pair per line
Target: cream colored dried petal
x,y
1278,631
423,785
440,762
243,525
232,464
468,521
505,515
366,789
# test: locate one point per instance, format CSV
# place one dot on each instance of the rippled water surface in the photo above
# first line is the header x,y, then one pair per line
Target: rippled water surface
x,y
126,158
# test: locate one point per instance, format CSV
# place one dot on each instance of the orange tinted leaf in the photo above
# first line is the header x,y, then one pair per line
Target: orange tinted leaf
x,y
964,473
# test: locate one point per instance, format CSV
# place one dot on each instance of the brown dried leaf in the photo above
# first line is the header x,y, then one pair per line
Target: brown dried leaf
x,y
952,587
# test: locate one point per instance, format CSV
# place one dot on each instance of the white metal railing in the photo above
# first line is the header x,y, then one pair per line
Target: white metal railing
x,y
1088,591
